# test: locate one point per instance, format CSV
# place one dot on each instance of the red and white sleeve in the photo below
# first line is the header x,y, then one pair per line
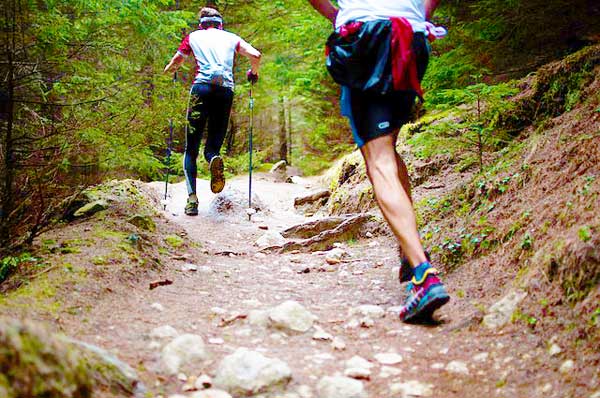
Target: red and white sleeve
x,y
184,48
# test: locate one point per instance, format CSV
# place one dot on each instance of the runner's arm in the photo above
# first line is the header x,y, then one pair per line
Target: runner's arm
x,y
252,54
175,63
430,6
325,8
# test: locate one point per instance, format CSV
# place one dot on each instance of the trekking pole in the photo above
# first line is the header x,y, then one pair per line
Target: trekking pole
x,y
169,144
250,210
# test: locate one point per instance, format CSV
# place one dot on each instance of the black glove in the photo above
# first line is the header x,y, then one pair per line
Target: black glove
x,y
252,77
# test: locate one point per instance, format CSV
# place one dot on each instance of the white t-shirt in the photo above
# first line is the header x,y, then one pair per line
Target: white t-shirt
x,y
360,10
214,50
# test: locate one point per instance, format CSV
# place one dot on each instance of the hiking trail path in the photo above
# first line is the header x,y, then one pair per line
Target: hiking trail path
x,y
354,301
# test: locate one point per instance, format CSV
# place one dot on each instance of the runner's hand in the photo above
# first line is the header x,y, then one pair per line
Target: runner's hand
x,y
252,77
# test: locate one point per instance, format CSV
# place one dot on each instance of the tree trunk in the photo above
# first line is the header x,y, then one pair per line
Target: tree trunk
x,y
283,148
8,171
230,138
289,126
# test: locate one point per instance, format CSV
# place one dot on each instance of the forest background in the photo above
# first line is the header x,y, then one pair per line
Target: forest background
x,y
83,98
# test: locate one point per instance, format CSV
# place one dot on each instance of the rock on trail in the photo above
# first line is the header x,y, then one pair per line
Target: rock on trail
x,y
247,372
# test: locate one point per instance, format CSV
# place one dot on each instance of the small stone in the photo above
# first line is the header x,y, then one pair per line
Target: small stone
x,y
457,367
336,253
210,393
264,227
291,315
248,372
157,307
596,394
437,366
388,358
270,238
182,377
411,389
304,391
372,311
358,368
164,332
567,366
203,381
218,311
321,335
366,322
546,388
154,345
183,350
189,267
216,341
338,344
340,387
554,350
481,357
389,371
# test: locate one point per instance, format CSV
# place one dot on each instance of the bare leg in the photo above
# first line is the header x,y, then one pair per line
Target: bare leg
x,y
389,177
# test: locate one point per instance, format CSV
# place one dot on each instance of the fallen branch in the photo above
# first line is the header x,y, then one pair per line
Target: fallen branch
x,y
234,317
165,282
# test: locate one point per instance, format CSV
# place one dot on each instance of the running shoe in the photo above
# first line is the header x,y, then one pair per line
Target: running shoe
x,y
406,272
191,208
217,176
425,296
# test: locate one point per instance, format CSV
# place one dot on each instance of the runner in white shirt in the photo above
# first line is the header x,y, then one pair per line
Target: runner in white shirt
x,y
377,109
357,10
211,95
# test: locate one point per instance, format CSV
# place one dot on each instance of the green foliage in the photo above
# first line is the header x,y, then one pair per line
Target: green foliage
x,y
10,264
174,241
585,233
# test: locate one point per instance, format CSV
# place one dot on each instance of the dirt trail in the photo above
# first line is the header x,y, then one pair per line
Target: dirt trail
x,y
456,358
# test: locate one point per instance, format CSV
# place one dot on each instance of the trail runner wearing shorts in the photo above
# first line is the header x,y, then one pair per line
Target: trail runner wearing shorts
x,y
378,53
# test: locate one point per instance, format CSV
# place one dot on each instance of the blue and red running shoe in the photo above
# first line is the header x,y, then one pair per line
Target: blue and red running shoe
x,y
425,296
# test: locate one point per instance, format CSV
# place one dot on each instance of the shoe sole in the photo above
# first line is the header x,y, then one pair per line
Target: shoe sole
x,y
191,213
434,299
217,178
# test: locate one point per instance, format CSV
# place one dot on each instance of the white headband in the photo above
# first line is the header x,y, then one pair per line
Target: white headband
x,y
211,19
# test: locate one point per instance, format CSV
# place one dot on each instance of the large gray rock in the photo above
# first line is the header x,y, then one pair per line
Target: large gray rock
x,y
501,313
248,372
291,315
340,387
184,350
